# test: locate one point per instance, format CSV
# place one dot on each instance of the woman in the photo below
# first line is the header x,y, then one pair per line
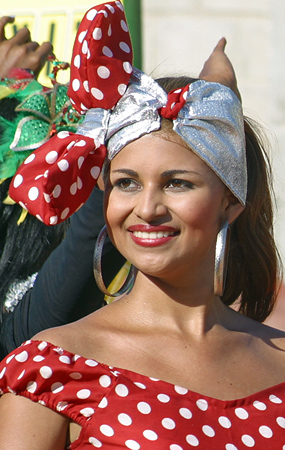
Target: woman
x,y
168,365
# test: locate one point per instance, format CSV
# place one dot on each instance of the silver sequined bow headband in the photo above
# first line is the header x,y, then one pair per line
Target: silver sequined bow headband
x,y
120,104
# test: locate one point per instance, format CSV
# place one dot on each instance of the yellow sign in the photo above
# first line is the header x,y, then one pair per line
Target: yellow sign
x,y
54,23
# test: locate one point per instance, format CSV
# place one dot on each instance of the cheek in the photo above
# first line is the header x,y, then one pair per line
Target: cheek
x,y
116,209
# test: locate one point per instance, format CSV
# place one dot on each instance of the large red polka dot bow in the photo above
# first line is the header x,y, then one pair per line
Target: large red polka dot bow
x,y
58,177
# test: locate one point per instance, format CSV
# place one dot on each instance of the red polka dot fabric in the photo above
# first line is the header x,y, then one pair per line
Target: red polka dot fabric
x,y
58,177
101,64
120,409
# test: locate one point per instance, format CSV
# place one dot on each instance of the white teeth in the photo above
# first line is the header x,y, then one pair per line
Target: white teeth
x,y
152,234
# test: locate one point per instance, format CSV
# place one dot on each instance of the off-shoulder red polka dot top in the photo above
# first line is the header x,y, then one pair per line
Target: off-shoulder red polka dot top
x,y
120,409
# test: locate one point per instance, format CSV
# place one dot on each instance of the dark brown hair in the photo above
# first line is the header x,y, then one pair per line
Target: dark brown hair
x,y
254,266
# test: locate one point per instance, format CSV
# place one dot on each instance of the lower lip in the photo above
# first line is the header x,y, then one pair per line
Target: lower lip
x,y
151,242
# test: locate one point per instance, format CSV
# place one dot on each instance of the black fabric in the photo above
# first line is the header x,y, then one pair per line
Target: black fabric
x,y
65,289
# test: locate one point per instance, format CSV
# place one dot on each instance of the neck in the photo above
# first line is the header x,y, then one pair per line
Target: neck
x,y
158,303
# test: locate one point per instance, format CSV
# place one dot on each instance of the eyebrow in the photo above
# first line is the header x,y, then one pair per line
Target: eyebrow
x,y
167,173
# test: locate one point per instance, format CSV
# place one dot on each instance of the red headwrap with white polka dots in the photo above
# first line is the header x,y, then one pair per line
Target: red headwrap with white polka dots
x,y
100,71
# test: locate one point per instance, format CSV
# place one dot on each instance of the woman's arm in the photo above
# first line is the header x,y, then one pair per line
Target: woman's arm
x,y
26,425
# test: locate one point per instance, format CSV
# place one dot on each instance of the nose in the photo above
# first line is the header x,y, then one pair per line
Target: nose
x,y
150,204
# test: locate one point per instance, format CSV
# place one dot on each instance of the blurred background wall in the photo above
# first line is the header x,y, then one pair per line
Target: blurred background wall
x,y
177,37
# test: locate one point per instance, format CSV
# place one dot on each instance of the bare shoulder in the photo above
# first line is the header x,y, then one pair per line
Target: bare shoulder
x,y
80,337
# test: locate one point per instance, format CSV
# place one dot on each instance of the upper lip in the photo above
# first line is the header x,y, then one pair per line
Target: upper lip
x,y
150,228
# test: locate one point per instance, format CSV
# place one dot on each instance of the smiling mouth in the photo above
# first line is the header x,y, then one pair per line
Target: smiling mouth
x,y
153,234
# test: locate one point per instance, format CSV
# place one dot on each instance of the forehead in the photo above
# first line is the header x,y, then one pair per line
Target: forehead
x,y
159,151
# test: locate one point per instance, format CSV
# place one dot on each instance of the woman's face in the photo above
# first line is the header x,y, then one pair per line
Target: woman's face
x,y
164,206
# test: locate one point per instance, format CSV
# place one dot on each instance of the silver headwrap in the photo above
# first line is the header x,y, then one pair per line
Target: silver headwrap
x,y
210,122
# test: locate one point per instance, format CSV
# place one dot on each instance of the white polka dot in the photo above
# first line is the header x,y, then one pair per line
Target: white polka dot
x,y
23,205
81,36
9,359
241,413
61,406
38,358
53,220
124,46
86,87
95,172
107,52
144,408
259,405
180,390
185,412
75,375
46,372
85,47
124,26
122,88
63,165
119,4
33,193
208,431
168,423
75,84
97,94
107,430
121,390
47,197
224,422
125,419
91,363
30,158
18,180
57,191
202,404
103,72
83,394
281,422
46,173
65,359
22,357
63,134
103,403
87,412
38,177
73,188
20,376
97,34
132,445
80,161
248,440
231,447
80,143
150,435
57,387
77,61
105,381
127,67
265,431
110,8
42,346
163,398
91,14
79,183
105,14
32,387
95,442
185,95
51,157
192,440
64,213
2,373
175,447
110,30
275,399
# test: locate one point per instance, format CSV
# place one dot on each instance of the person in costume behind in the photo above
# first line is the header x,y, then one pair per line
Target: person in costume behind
x,y
33,295
157,369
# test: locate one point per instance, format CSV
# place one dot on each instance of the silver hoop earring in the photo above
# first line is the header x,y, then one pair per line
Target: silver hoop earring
x,y
97,268
221,259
